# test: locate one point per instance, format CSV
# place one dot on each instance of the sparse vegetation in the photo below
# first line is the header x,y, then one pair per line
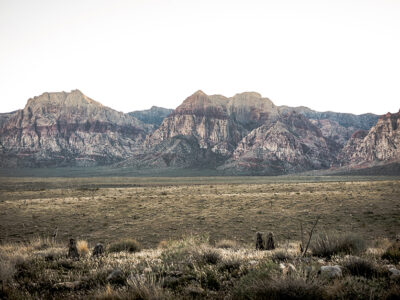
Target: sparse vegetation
x,y
192,267
329,244
186,268
116,208
362,267
281,255
129,245
227,244
392,253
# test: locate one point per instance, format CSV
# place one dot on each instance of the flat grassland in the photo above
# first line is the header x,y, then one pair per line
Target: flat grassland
x,y
154,209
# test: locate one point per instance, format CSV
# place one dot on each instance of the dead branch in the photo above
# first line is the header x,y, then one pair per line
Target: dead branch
x,y
311,233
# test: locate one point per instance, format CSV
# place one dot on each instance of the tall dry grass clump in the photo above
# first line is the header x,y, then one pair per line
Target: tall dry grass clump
x,y
83,248
329,244
357,266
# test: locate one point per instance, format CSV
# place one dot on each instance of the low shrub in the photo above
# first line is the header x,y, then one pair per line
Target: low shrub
x,y
281,255
137,288
209,280
359,288
392,253
129,245
229,265
327,245
361,267
208,256
281,288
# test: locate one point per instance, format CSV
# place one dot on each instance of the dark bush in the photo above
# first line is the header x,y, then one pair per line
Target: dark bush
x,y
209,256
130,245
210,281
361,267
229,265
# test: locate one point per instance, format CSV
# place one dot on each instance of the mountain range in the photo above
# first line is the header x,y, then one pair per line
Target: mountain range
x,y
243,134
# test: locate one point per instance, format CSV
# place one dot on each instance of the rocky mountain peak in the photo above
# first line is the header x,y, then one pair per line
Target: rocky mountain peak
x,y
68,129
62,99
247,95
381,143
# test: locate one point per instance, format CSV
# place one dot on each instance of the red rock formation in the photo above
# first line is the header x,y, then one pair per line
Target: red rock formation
x,y
380,144
291,144
68,129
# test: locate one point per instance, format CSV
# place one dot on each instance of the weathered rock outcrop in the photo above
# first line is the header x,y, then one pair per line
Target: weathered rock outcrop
x,y
380,144
244,133
217,123
363,121
153,116
180,151
291,144
334,131
57,129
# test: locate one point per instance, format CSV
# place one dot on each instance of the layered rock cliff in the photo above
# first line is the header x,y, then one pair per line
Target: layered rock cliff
x,y
68,129
290,144
244,133
380,144
153,116
218,123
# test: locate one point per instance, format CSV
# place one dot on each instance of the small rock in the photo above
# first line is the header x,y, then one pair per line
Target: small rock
x,y
116,277
395,272
253,262
331,271
98,250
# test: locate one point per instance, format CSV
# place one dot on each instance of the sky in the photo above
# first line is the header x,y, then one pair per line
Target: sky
x,y
129,55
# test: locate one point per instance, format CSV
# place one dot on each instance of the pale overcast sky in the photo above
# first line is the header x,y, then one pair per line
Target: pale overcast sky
x,y
129,55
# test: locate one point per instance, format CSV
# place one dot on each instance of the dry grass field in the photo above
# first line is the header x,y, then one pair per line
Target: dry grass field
x,y
155,209
194,238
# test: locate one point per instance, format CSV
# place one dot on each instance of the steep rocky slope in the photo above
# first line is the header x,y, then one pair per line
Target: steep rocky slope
x,y
153,116
229,127
363,121
380,144
244,133
291,144
218,123
68,129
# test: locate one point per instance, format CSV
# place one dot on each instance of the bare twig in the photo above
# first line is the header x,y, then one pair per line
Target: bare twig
x,y
311,233
302,238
